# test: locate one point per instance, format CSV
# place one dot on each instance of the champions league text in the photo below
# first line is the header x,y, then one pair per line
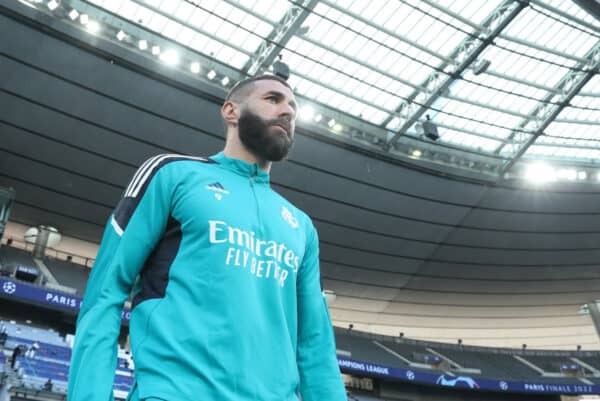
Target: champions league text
x,y
263,259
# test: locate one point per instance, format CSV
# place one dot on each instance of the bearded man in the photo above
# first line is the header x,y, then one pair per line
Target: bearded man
x,y
224,272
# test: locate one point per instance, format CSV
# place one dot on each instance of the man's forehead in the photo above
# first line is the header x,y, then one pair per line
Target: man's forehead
x,y
270,85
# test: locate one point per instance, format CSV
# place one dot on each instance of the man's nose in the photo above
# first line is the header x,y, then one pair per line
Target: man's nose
x,y
288,111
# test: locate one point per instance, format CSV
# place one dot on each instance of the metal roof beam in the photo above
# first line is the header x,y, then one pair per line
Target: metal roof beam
x,y
271,47
452,14
485,106
471,132
190,26
540,47
518,80
363,64
575,121
464,55
385,30
545,113
342,92
249,11
554,10
568,146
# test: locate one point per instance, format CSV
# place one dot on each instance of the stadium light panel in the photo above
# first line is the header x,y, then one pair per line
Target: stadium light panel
x,y
142,44
121,35
337,128
73,14
567,174
170,57
539,173
195,67
211,74
156,50
306,113
53,5
93,27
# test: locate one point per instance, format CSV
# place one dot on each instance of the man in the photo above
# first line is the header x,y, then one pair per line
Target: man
x,y
227,304
17,351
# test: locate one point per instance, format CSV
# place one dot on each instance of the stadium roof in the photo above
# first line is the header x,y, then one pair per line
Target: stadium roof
x,y
503,81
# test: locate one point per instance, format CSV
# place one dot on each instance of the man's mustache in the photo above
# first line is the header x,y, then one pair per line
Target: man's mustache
x,y
283,122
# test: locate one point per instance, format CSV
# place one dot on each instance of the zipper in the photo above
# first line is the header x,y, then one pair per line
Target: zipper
x,y
258,219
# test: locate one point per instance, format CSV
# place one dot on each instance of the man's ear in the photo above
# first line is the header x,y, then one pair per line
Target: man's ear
x,y
230,112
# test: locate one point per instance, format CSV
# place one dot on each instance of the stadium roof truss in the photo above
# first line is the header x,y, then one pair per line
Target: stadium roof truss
x,y
504,81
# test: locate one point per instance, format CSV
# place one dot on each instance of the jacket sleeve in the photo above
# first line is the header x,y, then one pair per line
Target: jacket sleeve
x,y
134,228
320,377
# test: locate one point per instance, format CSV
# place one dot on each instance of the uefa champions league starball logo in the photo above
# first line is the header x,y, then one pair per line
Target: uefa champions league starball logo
x,y
9,287
504,385
410,375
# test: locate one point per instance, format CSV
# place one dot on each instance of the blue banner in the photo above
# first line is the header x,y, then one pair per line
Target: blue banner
x,y
10,288
464,382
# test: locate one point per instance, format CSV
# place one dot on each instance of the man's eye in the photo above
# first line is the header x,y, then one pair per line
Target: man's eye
x,y
272,99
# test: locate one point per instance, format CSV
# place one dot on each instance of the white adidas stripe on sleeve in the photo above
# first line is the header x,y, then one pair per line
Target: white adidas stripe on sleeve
x,y
146,170
137,174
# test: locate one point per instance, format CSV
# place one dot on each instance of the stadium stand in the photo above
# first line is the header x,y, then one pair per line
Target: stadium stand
x,y
10,256
497,363
589,362
503,366
47,356
360,397
551,364
364,349
68,273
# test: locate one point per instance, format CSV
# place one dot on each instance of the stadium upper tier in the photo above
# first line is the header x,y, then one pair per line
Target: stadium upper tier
x,y
496,363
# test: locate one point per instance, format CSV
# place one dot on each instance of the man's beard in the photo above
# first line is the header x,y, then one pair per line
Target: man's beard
x,y
258,137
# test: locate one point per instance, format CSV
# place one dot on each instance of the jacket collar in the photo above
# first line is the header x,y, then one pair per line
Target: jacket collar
x,y
241,167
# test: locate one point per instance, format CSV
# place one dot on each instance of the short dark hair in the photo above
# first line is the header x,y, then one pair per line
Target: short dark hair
x,y
241,88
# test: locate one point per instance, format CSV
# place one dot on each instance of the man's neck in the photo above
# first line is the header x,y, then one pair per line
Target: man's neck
x,y
236,150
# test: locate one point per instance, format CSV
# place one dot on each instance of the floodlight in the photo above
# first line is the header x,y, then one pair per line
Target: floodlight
x,y
170,57
306,113
93,27
195,67
540,173
53,5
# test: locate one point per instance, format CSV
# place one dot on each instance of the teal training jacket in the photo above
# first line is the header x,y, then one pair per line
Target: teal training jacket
x,y
227,302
